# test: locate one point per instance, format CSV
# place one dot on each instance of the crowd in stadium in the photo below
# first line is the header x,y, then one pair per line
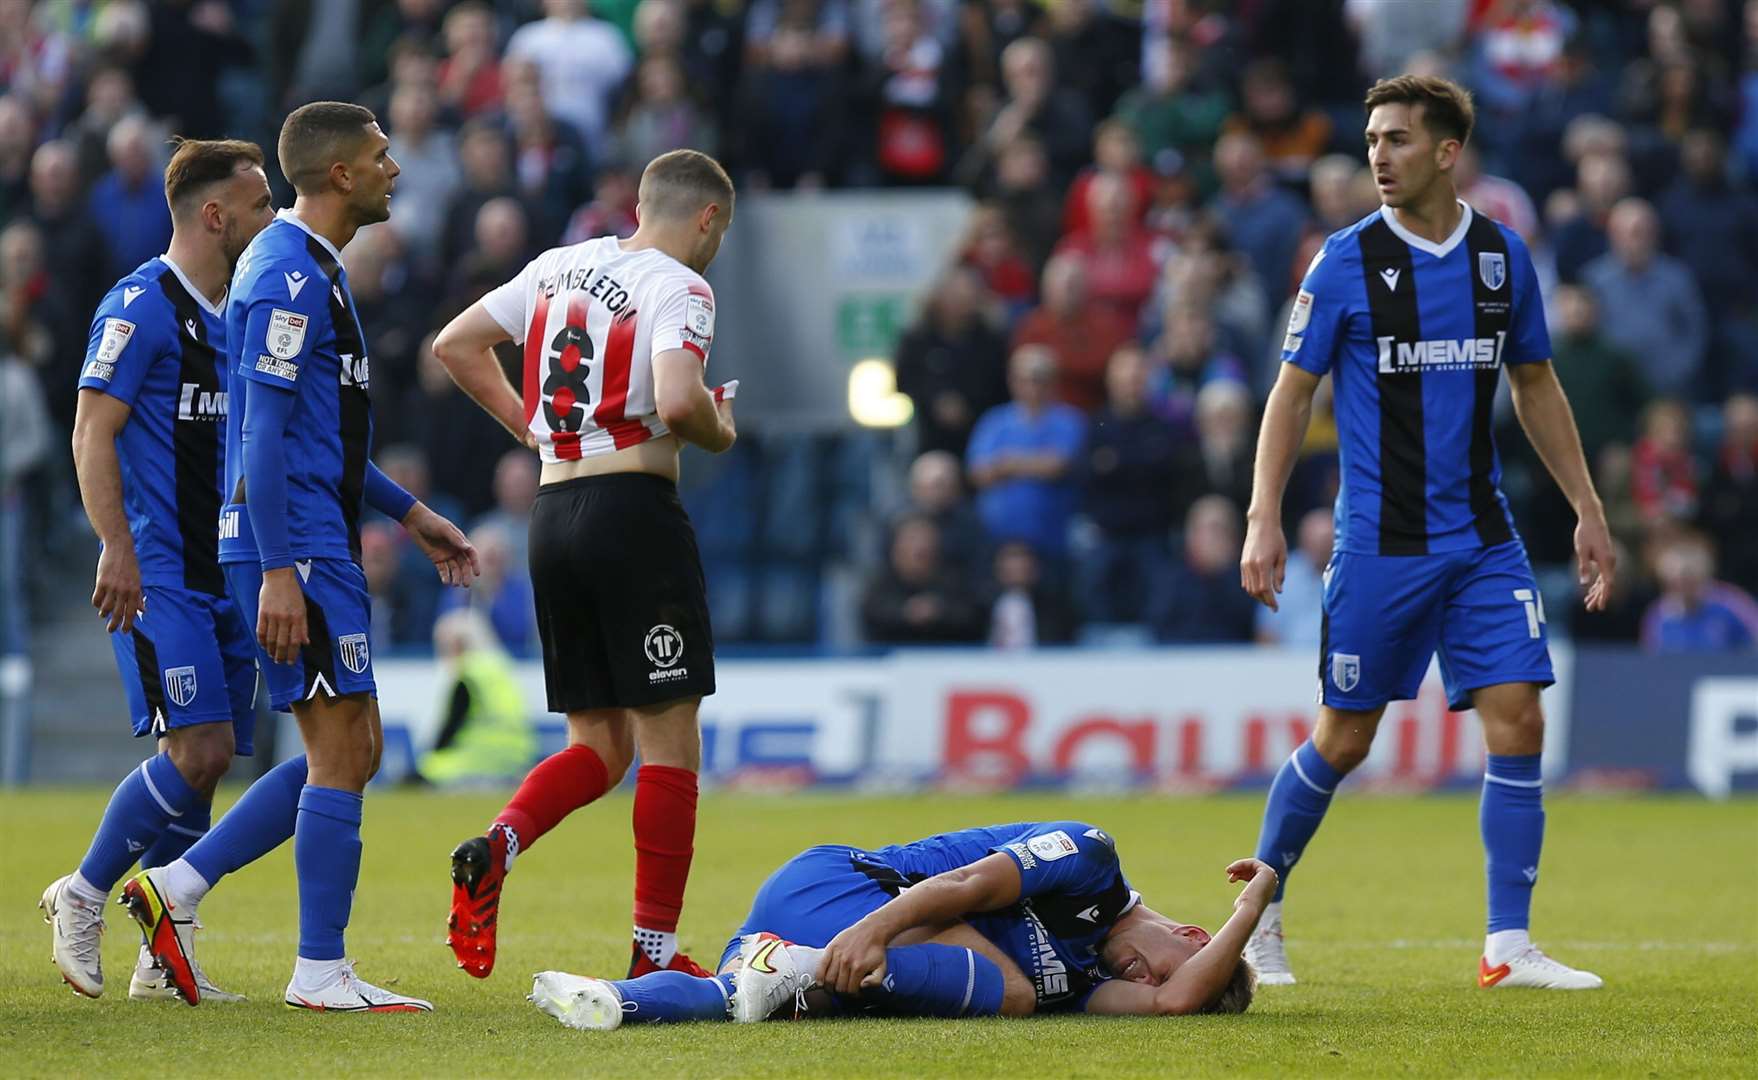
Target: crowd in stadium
x,y
1150,182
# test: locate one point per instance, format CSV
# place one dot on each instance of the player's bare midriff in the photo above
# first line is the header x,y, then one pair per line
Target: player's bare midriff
x,y
656,456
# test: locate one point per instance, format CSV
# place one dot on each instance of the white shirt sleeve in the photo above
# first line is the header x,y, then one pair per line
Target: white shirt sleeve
x,y
510,304
685,319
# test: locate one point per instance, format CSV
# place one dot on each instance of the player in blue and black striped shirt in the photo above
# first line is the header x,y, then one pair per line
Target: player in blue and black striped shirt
x,y
1414,311
148,439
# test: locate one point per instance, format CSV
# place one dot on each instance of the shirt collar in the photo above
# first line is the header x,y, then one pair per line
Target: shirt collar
x,y
289,216
218,311
1440,250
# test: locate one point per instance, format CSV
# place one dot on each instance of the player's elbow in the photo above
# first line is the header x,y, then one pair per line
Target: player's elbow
x,y
675,410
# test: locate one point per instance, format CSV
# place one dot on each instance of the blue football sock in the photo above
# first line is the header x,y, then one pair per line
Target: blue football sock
x,y
667,997
258,823
326,856
1511,817
148,799
937,980
1299,797
179,836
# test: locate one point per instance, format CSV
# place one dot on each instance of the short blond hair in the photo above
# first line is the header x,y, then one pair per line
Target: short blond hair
x,y
678,183
1236,996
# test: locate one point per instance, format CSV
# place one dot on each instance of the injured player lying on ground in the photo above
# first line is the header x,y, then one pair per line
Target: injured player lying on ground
x,y
1008,920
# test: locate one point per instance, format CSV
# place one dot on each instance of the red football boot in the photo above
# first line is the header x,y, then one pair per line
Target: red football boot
x,y
479,866
640,964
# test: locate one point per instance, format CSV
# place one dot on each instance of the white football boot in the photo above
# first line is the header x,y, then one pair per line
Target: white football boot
x,y
77,929
1265,951
768,978
577,1001
349,993
1531,968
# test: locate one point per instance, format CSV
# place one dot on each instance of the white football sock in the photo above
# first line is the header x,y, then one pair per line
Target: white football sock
x,y
84,890
659,945
1504,945
185,884
315,974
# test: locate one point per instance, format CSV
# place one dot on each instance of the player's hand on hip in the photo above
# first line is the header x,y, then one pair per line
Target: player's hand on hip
x,y
280,615
117,594
451,552
1263,562
1596,560
853,959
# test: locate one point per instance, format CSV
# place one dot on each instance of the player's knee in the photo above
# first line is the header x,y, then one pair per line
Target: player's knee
x,y
202,755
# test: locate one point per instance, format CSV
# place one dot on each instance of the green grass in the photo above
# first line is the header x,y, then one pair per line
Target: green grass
x,y
1657,895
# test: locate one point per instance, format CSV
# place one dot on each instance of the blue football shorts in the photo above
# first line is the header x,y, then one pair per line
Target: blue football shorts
x,y
1387,615
189,659
338,621
815,896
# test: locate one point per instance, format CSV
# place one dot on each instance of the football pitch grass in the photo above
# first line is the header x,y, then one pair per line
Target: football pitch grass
x,y
1659,896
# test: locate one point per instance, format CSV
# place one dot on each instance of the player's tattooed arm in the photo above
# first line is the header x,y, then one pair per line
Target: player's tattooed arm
x,y
1264,559
466,348
98,420
856,957
1544,414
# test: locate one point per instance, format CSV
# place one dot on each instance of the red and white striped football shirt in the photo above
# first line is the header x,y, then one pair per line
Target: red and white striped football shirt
x,y
591,318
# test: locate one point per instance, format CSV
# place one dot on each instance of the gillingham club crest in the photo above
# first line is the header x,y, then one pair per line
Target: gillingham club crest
x,y
1492,268
1345,671
180,686
354,652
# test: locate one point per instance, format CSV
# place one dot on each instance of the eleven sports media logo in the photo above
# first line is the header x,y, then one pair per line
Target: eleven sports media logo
x,y
664,647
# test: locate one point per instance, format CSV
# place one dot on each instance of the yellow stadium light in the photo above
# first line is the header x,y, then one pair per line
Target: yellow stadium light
x,y
873,399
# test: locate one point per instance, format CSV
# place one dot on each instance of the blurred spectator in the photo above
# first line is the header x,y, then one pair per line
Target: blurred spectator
x,y
936,492
916,598
1291,137
952,363
1606,388
392,296
1022,456
1712,226
404,590
316,52
1334,203
1300,607
551,166
992,250
1080,335
411,63
502,594
73,248
1166,112
1517,47
470,74
1116,152
430,178
1097,51
1224,434
38,326
1135,469
1186,359
128,202
1728,510
1034,104
1664,475
1578,88
1648,301
1209,276
1199,601
485,734
792,92
612,209
486,155
515,493
407,465
25,442
190,45
1695,612
36,60
501,250
1023,193
460,441
1393,31
1026,609
663,116
908,91
581,60
1500,198
1263,221
1115,250
1578,239
17,137
709,46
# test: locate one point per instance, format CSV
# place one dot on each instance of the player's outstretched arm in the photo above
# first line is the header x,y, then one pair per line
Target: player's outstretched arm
x,y
686,406
1544,413
1264,558
856,957
97,421
1198,980
466,348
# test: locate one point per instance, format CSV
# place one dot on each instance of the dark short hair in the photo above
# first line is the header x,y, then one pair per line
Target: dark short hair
x,y
316,136
1236,996
198,163
680,182
1447,111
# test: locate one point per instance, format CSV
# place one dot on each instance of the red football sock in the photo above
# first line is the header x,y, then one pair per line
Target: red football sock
x,y
665,839
559,785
